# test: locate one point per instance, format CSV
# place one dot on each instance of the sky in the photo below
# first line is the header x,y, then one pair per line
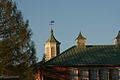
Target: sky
x,y
98,20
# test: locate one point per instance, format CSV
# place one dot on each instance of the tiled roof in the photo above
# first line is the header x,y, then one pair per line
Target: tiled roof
x,y
91,55
52,38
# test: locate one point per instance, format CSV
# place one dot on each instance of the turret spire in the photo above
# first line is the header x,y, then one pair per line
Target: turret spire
x,y
52,38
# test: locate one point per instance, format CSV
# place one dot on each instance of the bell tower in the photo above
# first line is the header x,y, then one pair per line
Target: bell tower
x,y
80,40
117,39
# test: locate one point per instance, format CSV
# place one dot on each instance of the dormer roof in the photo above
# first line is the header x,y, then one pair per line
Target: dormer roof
x,y
80,36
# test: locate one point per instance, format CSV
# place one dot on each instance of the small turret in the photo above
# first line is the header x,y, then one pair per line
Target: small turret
x,y
80,40
117,39
52,47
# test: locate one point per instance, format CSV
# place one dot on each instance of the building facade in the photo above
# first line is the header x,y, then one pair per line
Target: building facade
x,y
81,61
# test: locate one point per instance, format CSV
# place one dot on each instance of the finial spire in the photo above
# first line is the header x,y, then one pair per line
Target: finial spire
x,y
52,38
51,30
51,25
80,36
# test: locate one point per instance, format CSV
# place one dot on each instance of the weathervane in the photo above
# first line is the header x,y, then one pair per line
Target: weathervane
x,y
52,22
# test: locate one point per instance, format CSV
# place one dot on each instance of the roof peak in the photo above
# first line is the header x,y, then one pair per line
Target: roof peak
x,y
80,36
51,30
52,38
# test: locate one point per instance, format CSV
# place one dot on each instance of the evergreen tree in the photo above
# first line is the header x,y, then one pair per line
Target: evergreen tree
x,y
17,52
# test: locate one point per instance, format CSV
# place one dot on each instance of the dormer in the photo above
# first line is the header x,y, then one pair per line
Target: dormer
x,y
80,40
117,39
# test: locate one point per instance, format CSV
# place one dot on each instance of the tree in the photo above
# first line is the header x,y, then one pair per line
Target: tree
x,y
17,50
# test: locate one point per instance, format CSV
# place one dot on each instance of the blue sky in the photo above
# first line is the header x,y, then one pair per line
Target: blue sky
x,y
98,20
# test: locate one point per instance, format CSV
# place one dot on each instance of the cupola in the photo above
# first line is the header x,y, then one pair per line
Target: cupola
x,y
52,47
80,40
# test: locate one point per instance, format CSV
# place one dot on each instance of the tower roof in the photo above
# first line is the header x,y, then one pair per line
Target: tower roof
x,y
118,36
80,36
52,38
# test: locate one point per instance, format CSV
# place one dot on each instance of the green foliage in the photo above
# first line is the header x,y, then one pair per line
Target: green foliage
x,y
17,52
